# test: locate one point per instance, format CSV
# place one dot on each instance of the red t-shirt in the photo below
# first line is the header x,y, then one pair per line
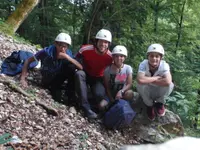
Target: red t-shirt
x,y
94,64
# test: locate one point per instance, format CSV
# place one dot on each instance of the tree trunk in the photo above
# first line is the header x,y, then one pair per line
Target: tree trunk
x,y
156,11
20,14
43,22
180,25
93,21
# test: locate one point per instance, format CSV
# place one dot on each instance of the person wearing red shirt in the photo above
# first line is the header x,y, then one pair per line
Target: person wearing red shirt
x,y
95,58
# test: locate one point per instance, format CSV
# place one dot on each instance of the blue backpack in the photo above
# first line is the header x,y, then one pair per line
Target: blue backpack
x,y
119,115
13,64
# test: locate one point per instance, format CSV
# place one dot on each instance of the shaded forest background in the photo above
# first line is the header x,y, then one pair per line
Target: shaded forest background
x,y
133,23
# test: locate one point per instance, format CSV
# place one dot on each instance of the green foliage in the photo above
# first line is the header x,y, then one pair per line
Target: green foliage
x,y
4,28
192,132
183,105
178,104
83,139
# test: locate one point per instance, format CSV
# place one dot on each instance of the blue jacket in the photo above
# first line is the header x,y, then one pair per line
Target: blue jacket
x,y
50,65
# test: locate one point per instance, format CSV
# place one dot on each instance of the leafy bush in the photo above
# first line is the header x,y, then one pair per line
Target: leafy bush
x,y
184,106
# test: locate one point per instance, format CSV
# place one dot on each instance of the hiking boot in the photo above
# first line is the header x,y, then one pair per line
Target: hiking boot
x,y
160,109
150,113
90,114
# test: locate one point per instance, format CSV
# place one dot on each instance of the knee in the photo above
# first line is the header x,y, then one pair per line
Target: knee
x,y
103,105
128,95
80,74
100,94
98,90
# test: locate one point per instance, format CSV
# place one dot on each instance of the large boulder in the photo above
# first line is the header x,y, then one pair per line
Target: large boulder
x,y
159,130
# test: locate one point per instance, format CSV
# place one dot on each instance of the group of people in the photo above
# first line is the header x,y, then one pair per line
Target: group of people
x,y
104,73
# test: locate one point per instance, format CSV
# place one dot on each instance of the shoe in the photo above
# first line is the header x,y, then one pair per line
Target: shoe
x,y
150,113
160,109
103,105
90,114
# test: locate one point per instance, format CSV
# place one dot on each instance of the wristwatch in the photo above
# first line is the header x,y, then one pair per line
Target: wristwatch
x,y
122,92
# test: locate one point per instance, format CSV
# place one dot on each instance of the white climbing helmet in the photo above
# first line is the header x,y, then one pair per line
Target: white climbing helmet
x,y
63,37
156,48
104,34
119,49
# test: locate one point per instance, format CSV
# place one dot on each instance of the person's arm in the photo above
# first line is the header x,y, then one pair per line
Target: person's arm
x,y
165,80
166,77
126,87
79,58
142,79
25,71
72,60
128,84
108,92
107,84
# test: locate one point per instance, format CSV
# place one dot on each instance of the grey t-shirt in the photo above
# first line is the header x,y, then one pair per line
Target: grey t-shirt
x,y
117,80
162,69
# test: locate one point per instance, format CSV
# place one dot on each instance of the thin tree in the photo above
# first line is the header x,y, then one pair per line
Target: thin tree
x,y
20,14
180,24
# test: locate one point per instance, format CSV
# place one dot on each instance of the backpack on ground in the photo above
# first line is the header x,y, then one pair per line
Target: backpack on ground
x,y
119,115
13,64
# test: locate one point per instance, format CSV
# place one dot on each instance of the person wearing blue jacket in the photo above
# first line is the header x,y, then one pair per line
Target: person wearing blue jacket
x,y
57,65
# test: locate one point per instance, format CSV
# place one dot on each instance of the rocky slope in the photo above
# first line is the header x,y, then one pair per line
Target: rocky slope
x,y
21,115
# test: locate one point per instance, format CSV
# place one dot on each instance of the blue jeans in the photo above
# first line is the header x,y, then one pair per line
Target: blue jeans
x,y
82,81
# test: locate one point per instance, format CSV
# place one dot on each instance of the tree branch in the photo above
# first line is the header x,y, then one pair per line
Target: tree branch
x,y
13,86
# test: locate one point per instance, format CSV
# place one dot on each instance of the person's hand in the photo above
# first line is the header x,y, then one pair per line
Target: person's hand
x,y
118,95
23,83
62,55
158,77
112,100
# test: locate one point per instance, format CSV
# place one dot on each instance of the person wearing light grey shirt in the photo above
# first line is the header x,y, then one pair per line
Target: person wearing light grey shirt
x,y
154,81
118,77
117,80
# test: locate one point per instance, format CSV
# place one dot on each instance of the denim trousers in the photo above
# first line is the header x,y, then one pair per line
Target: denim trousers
x,y
83,82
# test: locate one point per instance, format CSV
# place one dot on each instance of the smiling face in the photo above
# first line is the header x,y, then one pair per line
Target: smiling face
x,y
154,59
102,46
118,59
61,47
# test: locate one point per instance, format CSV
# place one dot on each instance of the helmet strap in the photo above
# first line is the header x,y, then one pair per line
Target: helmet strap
x,y
119,67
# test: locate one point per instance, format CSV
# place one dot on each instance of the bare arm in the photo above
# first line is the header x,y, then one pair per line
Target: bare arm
x,y
142,79
129,83
106,84
25,71
126,87
158,80
164,81
73,61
